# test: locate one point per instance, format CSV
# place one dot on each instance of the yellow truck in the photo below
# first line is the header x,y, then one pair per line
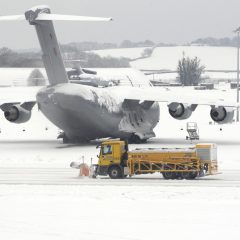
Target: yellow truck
x,y
117,161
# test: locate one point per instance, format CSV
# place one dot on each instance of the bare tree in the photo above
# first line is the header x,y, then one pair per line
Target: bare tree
x,y
190,71
36,78
147,52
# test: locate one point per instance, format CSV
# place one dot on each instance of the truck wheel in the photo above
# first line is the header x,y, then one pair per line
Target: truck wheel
x,y
115,172
185,175
189,175
192,175
169,175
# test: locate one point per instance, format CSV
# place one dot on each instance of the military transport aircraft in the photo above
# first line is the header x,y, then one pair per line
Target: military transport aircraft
x,y
127,108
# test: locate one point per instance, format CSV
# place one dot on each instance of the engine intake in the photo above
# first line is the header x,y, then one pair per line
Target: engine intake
x,y
222,114
17,114
180,111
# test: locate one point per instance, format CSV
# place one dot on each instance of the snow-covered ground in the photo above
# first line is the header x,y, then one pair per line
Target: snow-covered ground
x,y
41,197
131,53
149,211
16,76
213,58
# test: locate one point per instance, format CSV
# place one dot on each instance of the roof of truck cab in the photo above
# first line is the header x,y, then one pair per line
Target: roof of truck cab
x,y
112,142
206,145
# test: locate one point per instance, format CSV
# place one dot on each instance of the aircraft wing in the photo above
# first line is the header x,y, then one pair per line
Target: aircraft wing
x,y
10,96
157,71
184,96
165,71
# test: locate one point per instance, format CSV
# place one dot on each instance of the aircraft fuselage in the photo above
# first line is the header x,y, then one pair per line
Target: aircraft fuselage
x,y
85,113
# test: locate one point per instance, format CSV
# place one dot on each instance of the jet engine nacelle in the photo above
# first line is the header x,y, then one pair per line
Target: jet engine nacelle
x,y
17,114
222,114
181,111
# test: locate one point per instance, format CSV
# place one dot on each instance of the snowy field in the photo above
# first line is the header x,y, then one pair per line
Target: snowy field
x,y
213,58
131,53
16,76
41,197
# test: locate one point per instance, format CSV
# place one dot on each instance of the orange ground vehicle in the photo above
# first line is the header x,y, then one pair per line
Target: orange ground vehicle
x,y
117,161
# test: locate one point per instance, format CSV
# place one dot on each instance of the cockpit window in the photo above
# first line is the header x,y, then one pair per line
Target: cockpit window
x,y
106,149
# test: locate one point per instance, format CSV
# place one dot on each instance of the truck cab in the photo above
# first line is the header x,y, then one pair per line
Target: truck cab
x,y
113,159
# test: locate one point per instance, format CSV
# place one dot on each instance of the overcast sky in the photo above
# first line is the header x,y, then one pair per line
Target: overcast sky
x,y
169,21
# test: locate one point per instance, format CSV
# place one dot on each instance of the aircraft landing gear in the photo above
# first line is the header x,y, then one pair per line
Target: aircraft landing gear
x,y
67,139
136,139
64,137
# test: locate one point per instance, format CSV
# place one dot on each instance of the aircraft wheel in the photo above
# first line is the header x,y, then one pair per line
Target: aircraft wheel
x,y
65,139
136,139
115,172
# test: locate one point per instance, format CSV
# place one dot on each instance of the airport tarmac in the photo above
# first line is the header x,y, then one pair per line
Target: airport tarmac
x,y
41,197
69,176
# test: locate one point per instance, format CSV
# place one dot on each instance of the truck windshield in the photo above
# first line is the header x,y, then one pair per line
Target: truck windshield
x,y
106,149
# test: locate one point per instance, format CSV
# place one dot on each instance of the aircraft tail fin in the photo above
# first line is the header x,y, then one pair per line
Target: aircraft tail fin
x,y
41,18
